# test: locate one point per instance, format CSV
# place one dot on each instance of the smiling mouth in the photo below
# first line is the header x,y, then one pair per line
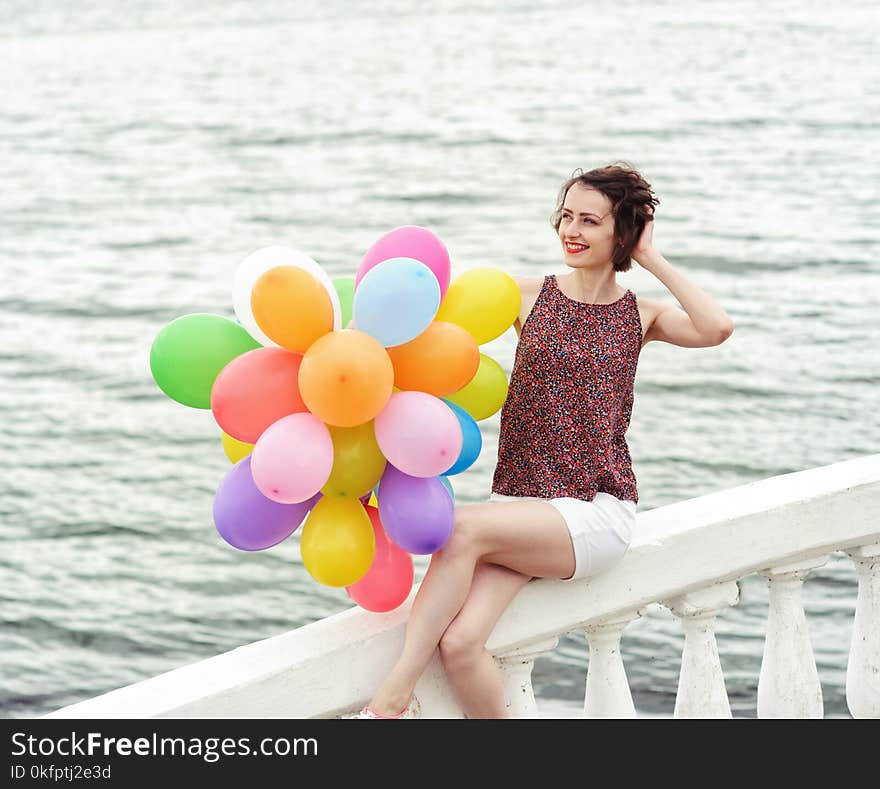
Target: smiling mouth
x,y
575,248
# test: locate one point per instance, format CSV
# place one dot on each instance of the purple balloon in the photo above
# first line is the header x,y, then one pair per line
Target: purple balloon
x,y
417,512
246,519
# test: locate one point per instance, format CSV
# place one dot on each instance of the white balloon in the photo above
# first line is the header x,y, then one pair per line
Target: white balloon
x,y
258,263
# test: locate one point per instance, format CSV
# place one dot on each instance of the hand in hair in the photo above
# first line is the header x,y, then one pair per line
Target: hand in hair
x,y
644,247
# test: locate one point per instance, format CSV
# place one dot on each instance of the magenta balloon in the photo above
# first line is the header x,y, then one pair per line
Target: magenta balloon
x,y
410,241
419,434
246,519
417,512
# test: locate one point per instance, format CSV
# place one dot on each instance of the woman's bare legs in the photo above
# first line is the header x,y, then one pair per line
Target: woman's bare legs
x,y
470,668
440,597
529,537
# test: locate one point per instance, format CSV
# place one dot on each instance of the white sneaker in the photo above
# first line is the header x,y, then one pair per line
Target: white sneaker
x,y
412,710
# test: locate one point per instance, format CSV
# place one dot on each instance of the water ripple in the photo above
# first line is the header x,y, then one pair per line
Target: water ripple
x,y
128,202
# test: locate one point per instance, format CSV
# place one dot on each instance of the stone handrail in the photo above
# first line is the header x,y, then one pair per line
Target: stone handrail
x,y
686,556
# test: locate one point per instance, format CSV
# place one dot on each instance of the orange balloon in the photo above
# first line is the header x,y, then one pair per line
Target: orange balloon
x,y
441,360
292,307
345,378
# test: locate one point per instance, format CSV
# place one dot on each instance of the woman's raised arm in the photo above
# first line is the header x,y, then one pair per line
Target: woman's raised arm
x,y
702,323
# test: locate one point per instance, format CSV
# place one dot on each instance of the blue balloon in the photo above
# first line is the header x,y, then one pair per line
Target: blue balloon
x,y
472,439
448,485
396,301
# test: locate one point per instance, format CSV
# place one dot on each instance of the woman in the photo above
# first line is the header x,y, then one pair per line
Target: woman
x,y
565,493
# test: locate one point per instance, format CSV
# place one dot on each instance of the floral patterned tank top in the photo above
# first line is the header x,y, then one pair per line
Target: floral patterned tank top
x,y
568,407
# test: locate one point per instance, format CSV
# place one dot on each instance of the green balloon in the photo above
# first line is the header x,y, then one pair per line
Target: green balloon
x,y
345,290
486,392
189,353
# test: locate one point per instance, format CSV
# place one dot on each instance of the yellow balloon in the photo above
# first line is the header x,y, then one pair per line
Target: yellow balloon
x,y
337,542
235,450
358,462
373,502
484,301
486,392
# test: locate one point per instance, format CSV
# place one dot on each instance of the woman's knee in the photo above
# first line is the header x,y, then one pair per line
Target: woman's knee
x,y
463,539
459,645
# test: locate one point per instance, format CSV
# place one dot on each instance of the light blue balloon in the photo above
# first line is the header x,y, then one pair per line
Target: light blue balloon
x,y
448,485
472,439
396,301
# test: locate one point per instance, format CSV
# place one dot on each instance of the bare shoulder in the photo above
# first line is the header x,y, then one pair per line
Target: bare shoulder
x,y
649,306
529,288
529,284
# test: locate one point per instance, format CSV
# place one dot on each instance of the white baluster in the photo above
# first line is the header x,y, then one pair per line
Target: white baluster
x,y
608,694
788,685
701,691
516,676
863,666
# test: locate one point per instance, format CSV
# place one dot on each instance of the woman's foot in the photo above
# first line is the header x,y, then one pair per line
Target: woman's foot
x,y
412,710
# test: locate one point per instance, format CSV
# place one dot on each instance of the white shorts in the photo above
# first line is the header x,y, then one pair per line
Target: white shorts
x,y
601,529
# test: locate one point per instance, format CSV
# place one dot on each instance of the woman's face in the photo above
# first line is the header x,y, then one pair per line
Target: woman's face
x,y
586,229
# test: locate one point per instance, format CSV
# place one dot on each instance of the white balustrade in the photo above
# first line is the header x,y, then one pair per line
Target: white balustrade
x,y
516,675
329,667
863,665
607,693
701,690
788,684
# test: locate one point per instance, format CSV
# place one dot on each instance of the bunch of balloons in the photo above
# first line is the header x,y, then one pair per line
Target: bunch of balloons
x,y
346,404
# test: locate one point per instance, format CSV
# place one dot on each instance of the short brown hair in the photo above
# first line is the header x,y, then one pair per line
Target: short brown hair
x,y
632,203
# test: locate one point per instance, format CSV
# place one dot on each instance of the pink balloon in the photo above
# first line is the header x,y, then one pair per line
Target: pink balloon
x,y
389,580
410,241
419,434
292,459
